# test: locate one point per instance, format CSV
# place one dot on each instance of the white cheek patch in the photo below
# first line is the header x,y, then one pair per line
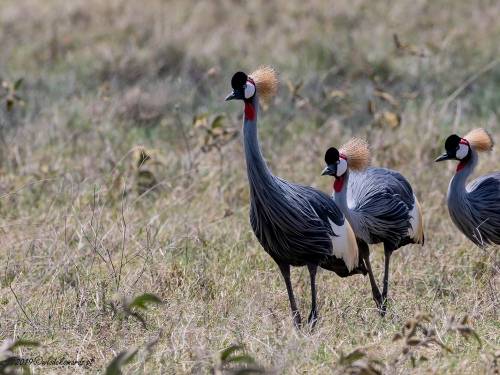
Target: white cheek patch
x,y
462,151
249,90
341,167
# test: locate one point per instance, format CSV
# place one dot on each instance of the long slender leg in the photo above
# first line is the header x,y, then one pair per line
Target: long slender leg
x,y
388,252
365,254
313,315
285,271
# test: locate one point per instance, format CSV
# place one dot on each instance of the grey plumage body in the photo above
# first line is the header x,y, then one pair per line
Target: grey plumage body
x,y
377,203
380,206
291,221
296,225
475,209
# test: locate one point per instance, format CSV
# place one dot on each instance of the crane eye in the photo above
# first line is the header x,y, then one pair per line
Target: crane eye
x,y
244,87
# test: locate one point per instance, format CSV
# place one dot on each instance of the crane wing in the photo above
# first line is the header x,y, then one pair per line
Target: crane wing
x,y
302,224
382,200
338,228
484,208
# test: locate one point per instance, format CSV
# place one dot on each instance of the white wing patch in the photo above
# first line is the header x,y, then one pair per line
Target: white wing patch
x,y
413,229
344,246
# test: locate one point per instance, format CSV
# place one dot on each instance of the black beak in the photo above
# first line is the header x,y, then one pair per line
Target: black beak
x,y
330,170
446,156
236,94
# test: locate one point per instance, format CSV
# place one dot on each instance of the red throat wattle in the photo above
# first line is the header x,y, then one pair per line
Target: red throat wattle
x,y
338,184
249,111
460,165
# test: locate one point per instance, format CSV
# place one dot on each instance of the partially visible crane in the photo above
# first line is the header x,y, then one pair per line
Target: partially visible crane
x,y
474,209
296,225
378,203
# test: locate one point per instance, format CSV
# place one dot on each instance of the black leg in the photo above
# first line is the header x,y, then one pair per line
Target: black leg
x,y
313,316
285,271
388,253
365,254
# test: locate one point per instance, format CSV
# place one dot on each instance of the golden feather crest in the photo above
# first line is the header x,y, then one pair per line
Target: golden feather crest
x,y
266,81
358,153
480,140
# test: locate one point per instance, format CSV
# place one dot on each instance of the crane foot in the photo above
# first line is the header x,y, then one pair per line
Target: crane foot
x,y
297,321
313,318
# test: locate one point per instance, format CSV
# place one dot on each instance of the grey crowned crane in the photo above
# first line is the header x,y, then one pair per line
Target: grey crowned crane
x,y
474,209
296,225
378,203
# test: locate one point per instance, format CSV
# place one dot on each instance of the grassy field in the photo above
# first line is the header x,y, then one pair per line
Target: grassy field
x,y
122,173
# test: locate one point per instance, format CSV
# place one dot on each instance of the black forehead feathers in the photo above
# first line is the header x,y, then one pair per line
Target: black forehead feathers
x,y
238,80
331,155
452,142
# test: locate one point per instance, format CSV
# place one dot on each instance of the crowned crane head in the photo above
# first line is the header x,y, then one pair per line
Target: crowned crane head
x,y
458,148
262,81
354,155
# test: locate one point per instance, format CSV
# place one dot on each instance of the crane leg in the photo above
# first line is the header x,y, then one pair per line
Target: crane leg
x,y
313,316
388,253
285,271
365,254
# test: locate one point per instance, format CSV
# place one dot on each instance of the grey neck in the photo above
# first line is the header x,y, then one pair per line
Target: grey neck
x,y
355,218
456,189
257,170
340,198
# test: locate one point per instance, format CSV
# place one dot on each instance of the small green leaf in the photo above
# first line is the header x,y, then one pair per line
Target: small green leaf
x,y
9,103
139,301
198,119
139,318
410,327
8,362
242,358
421,316
476,336
413,341
354,356
466,331
217,122
25,343
114,368
366,368
227,352
464,319
445,347
18,84
250,370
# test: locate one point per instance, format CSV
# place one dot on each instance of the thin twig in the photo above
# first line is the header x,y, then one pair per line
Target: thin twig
x,y
184,137
21,307
124,229
31,183
465,84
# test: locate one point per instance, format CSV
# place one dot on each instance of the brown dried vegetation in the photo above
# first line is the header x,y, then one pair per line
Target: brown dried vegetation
x,y
118,174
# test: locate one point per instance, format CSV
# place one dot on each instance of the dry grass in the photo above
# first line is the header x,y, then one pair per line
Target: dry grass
x,y
95,217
